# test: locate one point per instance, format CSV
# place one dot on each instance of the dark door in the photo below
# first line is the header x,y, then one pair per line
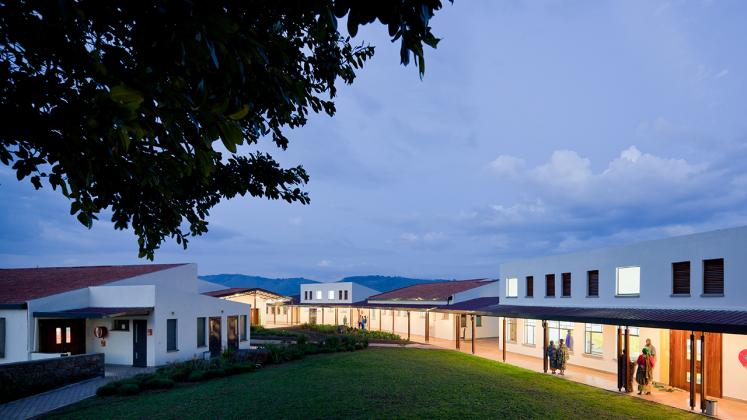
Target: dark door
x,y
233,332
215,336
139,342
679,361
255,316
62,336
312,316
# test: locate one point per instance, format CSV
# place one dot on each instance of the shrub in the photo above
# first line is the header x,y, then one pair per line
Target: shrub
x,y
196,376
157,382
128,389
108,389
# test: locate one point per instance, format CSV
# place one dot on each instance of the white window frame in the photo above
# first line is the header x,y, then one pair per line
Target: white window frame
x,y
512,287
331,295
319,295
589,331
617,282
530,325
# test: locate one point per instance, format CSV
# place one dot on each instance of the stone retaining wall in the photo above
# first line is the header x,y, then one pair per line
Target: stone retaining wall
x,y
22,379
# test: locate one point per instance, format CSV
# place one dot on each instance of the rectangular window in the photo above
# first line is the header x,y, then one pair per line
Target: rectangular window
x,y
340,295
628,281
594,339
713,277
592,283
319,295
698,350
373,315
58,335
530,286
201,332
512,287
529,331
478,321
511,329
2,338
242,327
171,335
68,335
558,330
681,278
463,321
635,342
121,325
550,285
331,295
566,289
346,295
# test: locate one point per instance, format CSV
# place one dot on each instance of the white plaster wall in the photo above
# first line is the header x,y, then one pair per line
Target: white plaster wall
x,y
186,308
734,383
119,346
655,259
361,292
122,296
490,289
59,302
325,288
16,339
182,277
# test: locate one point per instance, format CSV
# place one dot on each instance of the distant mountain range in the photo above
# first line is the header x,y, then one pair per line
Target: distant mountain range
x,y
290,286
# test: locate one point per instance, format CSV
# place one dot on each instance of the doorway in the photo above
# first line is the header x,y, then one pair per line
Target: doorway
x,y
312,316
255,316
215,336
679,361
62,336
139,342
233,332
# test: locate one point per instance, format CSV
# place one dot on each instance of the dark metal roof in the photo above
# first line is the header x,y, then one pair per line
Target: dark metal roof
x,y
242,291
90,312
437,290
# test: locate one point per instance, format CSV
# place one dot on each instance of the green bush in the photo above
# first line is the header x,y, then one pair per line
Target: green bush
x,y
196,376
108,389
157,382
128,389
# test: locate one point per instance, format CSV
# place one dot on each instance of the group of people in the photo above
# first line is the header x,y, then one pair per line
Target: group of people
x,y
644,374
362,321
558,356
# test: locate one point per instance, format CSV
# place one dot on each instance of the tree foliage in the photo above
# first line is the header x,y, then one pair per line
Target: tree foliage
x,y
119,104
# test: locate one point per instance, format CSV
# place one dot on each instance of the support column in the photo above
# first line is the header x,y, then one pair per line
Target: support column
x,y
457,327
504,338
392,321
626,360
427,326
473,334
620,359
545,337
703,376
323,311
275,315
337,317
408,325
693,374
379,319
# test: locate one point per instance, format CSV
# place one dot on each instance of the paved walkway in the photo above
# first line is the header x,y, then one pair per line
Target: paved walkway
x,y
39,404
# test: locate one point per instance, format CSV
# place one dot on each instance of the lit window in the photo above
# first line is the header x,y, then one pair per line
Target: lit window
x,y
242,328
593,340
512,287
478,321
529,331
511,326
318,294
68,335
558,330
628,281
331,295
58,336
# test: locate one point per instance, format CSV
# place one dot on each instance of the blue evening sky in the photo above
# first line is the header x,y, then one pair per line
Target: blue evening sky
x,y
540,127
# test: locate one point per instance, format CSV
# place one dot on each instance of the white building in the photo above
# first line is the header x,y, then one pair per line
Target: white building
x,y
140,315
337,292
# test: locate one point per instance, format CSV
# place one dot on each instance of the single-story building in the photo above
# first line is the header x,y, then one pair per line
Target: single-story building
x,y
140,315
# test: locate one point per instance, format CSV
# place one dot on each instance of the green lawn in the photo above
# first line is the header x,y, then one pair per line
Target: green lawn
x,y
380,383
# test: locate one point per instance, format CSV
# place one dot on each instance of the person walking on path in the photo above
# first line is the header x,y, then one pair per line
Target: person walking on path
x,y
563,355
552,356
645,373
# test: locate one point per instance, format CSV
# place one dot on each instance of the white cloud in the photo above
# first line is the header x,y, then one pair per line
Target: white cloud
x,y
324,263
507,165
721,74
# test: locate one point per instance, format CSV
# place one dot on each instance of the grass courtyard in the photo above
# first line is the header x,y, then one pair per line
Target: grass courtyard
x,y
380,383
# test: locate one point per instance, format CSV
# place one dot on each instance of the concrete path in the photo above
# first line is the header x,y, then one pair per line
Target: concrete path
x,y
38,404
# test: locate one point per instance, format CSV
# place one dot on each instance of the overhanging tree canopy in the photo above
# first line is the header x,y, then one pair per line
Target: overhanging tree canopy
x,y
119,103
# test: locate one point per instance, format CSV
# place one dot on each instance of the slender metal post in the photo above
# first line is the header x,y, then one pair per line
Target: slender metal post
x,y
392,321
626,360
275,315
457,322
427,327
337,319
380,319
504,338
693,373
703,376
408,325
473,334
620,359
545,344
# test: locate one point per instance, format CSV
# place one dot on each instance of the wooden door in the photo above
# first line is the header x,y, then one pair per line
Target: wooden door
x,y
215,345
233,332
255,316
679,361
139,342
312,316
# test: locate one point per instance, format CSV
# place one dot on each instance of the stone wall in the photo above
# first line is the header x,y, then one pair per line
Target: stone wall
x,y
21,379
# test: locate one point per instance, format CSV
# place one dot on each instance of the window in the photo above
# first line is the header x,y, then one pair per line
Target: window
x,y
171,335
530,286
463,321
68,338
558,330
566,284
2,338
478,321
319,295
242,327
373,315
593,339
592,283
346,295
698,350
340,295
550,285
331,295
511,329
529,331
628,281
635,342
445,316
713,277
58,335
201,332
681,278
121,325
512,287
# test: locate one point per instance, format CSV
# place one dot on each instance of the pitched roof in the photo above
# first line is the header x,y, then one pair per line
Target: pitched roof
x,y
436,290
19,285
240,291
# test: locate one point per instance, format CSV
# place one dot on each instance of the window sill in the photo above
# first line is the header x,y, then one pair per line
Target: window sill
x,y
172,351
529,345
565,297
243,340
204,346
628,296
512,297
680,295
592,296
593,356
549,297
712,295
529,297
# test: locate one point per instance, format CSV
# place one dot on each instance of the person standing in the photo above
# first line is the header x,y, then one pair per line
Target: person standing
x,y
363,322
563,355
552,356
651,348
645,373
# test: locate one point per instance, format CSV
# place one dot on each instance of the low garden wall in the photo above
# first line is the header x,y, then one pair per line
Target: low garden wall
x,y
21,379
